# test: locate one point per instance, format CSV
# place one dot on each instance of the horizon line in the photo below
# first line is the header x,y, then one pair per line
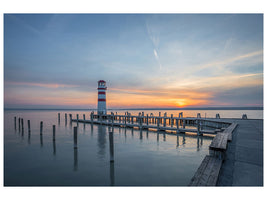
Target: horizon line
x,y
184,108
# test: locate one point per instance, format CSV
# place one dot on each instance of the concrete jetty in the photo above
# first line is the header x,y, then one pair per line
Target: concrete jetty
x,y
236,160
243,165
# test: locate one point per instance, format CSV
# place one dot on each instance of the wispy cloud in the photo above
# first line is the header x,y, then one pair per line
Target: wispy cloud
x,y
44,85
24,24
157,58
155,40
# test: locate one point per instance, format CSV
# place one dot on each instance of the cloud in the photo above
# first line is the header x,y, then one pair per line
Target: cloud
x,y
43,85
23,23
157,58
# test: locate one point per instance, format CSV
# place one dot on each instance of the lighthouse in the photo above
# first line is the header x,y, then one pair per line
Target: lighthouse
x,y
101,106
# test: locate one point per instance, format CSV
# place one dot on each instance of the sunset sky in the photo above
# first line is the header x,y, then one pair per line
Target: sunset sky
x,y
153,60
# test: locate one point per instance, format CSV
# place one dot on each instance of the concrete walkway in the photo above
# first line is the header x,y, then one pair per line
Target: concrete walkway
x,y
244,156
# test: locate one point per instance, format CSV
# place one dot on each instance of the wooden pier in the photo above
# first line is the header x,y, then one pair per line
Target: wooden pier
x,y
178,124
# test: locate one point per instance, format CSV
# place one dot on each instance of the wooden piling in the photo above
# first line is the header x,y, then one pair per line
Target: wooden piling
x,y
177,125
58,117
111,146
70,118
41,127
83,116
75,137
19,123
54,132
22,125
147,119
29,126
77,117
66,117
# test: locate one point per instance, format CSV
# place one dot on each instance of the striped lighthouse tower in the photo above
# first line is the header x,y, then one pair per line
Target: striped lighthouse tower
x,y
101,106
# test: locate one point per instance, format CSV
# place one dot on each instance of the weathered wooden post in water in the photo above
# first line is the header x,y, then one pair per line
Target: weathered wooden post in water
x,y
75,137
177,125
58,117
164,122
66,118
111,146
171,120
19,123
54,132
70,118
41,127
29,132
22,125
157,119
29,126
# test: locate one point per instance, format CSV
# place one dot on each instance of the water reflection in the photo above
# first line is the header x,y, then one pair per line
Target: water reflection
x,y
164,136
141,135
147,134
125,133
197,143
92,129
41,140
29,137
54,147
183,139
101,141
132,133
177,141
199,139
75,166
111,173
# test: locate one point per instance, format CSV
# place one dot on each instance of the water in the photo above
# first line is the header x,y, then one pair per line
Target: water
x,y
141,158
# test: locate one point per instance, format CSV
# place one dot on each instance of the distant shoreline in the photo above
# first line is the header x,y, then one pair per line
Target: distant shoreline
x,y
200,108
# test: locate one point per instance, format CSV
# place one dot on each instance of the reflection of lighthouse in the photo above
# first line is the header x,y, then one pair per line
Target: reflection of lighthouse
x,y
101,106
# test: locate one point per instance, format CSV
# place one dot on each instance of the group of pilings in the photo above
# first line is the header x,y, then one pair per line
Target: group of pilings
x,y
141,121
75,134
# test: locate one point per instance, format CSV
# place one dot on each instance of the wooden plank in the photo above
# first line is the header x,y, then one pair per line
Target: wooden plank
x,y
230,131
212,180
194,181
207,173
219,142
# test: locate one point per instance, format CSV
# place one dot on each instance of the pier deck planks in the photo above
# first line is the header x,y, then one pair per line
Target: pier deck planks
x,y
207,173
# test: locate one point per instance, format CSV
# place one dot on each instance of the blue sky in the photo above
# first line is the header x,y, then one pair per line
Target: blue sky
x,y
150,60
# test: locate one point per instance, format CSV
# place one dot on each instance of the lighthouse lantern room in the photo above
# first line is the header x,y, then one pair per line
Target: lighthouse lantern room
x,y
101,106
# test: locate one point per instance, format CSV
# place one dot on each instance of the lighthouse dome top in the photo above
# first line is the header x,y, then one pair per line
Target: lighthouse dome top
x,y
102,84
101,81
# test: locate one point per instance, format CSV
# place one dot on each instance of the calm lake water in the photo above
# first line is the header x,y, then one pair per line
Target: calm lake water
x,y
141,158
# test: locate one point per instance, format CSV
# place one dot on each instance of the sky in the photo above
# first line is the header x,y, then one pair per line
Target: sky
x,y
147,60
